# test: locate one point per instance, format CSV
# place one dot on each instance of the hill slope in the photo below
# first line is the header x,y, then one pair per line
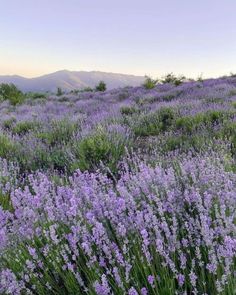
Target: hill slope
x,y
69,80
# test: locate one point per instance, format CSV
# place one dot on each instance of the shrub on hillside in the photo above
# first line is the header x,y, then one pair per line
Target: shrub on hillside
x,y
60,131
171,78
102,147
101,86
166,118
152,124
59,159
208,119
77,91
87,89
11,93
59,91
36,95
7,147
150,83
24,127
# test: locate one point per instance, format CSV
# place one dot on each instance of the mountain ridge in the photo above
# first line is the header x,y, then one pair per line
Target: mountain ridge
x,y
69,80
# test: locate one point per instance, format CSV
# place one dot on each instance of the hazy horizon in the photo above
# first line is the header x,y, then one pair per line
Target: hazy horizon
x,y
67,70
128,37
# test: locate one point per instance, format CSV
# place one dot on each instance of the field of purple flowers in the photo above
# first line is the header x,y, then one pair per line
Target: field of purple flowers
x,y
129,191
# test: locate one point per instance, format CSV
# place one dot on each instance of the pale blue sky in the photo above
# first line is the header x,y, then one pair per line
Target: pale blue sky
x,y
127,36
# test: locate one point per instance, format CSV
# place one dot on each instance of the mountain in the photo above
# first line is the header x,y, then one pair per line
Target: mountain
x,y
69,80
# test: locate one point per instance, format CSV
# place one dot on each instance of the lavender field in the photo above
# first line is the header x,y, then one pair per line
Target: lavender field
x,y
127,191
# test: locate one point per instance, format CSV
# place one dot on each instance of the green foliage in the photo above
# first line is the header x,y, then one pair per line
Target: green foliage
x,y
171,78
5,202
169,97
216,116
147,125
185,143
229,132
229,129
149,82
12,93
234,104
36,95
77,91
24,127
59,159
8,124
96,148
191,123
101,86
166,118
7,147
63,98
200,79
214,100
52,159
87,89
154,123
128,110
59,91
39,161
186,124
60,132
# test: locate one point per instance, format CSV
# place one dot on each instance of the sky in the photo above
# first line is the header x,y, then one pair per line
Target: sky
x,y
151,37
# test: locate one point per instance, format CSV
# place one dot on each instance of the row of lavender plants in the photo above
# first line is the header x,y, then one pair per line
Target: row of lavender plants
x,y
129,191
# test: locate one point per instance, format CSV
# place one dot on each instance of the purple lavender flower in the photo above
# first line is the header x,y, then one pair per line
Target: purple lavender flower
x,y
181,279
144,291
132,291
151,280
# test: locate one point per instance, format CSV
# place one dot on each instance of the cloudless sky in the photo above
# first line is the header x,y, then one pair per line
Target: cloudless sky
x,y
127,36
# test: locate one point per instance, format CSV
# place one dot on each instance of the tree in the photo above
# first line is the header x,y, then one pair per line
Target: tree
x,y
59,91
12,93
101,86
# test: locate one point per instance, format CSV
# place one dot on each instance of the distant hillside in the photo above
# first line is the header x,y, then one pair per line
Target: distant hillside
x,y
69,80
